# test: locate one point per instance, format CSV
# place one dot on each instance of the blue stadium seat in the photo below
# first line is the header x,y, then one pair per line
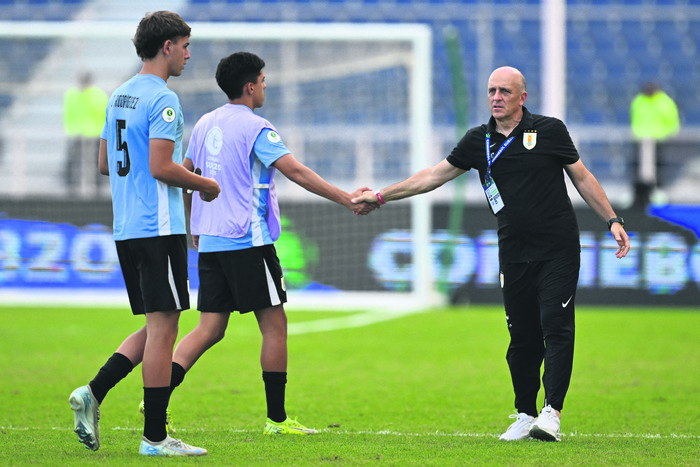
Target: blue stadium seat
x,y
602,52
38,10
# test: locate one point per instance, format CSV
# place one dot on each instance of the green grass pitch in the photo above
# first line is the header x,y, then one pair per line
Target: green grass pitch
x,y
428,388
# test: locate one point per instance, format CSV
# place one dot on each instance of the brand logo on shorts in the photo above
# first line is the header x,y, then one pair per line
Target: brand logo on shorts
x,y
502,279
566,303
168,114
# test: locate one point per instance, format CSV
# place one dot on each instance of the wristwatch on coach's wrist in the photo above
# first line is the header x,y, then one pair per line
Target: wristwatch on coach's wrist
x,y
619,220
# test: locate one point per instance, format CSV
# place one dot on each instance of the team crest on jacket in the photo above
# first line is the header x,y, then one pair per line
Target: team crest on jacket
x,y
529,139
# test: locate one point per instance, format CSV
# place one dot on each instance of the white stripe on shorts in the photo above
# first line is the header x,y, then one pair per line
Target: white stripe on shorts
x,y
173,289
271,287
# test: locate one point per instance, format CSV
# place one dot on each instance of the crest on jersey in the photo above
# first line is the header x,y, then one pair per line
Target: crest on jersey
x,y
529,139
168,114
214,140
273,137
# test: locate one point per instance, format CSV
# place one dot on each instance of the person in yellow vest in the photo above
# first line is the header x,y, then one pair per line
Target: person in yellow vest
x,y
84,108
654,118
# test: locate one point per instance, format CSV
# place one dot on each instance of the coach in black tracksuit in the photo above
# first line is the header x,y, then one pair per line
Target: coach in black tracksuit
x,y
522,172
538,246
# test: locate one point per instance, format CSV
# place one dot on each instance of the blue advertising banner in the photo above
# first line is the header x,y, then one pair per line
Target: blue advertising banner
x,y
37,254
374,254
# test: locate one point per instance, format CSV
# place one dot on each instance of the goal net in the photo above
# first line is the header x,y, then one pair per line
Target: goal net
x,y
351,101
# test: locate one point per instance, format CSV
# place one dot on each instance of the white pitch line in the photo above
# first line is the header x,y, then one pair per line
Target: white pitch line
x,y
496,435
397,433
345,322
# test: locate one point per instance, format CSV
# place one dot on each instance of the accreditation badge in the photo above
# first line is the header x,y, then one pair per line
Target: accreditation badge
x,y
529,139
492,194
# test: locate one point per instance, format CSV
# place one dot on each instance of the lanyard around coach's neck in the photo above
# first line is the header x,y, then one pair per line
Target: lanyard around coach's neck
x,y
490,159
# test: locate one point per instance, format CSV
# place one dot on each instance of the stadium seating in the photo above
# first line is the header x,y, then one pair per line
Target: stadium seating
x,y
39,10
608,58
612,46
20,57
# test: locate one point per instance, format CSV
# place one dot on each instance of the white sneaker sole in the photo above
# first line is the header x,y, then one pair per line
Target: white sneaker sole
x,y
147,449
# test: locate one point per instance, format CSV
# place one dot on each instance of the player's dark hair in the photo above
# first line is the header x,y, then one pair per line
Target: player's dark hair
x,y
156,28
237,70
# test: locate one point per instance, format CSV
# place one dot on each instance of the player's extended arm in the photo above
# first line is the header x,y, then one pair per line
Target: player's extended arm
x,y
313,182
187,194
421,182
102,162
164,169
187,198
593,194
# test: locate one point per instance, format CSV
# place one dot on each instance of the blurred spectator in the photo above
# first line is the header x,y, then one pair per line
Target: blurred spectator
x,y
653,117
84,108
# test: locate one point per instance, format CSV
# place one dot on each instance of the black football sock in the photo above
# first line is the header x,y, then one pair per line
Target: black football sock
x,y
115,370
155,402
177,375
275,382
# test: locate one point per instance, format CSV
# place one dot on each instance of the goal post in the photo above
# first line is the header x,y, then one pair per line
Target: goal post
x,y
350,100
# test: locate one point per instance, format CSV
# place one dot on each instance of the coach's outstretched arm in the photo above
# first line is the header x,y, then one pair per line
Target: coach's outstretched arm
x,y
592,193
421,182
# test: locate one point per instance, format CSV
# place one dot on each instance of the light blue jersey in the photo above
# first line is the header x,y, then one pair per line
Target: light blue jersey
x,y
139,110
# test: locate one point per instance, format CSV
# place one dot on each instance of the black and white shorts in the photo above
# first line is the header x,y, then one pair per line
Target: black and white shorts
x,y
155,273
240,280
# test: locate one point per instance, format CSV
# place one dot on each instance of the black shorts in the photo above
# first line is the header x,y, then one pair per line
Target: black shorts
x,y
540,296
240,280
155,273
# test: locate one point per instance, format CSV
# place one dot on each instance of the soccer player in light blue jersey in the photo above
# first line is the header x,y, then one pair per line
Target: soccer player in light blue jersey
x,y
141,151
235,234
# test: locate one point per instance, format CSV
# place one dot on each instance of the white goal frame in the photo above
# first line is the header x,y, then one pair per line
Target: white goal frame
x,y
419,36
